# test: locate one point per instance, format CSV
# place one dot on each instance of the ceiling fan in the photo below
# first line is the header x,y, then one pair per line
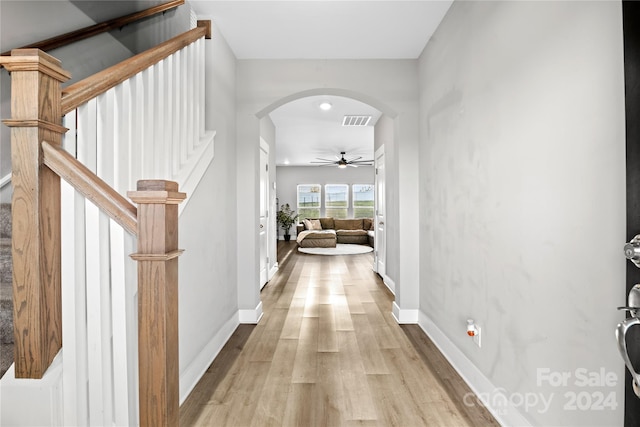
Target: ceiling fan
x,y
342,162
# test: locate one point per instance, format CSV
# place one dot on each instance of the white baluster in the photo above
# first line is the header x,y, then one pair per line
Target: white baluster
x,y
176,151
121,324
87,134
191,96
202,87
98,318
106,122
184,113
157,107
74,313
148,153
168,108
136,143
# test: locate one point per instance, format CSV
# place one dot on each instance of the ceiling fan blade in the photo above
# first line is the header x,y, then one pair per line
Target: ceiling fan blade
x,y
361,161
325,160
352,165
354,159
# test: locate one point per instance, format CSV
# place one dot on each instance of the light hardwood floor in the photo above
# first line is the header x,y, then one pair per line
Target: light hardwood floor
x,y
328,352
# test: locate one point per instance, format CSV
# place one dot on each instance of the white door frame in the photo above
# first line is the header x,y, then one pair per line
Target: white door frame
x,y
264,214
380,214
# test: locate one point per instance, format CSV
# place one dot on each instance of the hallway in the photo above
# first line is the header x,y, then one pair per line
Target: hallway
x,y
328,352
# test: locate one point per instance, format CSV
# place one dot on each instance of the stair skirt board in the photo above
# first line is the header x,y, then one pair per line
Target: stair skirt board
x,y
192,172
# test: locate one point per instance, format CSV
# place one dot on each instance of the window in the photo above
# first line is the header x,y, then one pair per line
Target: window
x,y
362,200
309,201
336,200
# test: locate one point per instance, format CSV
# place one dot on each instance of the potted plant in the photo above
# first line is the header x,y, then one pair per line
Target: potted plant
x,y
286,218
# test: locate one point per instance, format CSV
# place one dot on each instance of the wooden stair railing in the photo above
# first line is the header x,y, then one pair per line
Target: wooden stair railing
x,y
38,161
103,27
91,186
84,90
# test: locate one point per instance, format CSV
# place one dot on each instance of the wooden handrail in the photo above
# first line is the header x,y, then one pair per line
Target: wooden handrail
x,y
93,30
91,186
84,90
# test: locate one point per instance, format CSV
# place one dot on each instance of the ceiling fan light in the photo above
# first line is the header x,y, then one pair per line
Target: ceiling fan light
x,y
342,165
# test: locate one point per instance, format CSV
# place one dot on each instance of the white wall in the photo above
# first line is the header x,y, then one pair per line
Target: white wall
x,y
290,176
388,85
522,200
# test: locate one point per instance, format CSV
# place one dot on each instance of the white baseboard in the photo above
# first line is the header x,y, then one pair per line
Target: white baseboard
x,y
404,316
475,379
251,316
196,369
273,271
390,284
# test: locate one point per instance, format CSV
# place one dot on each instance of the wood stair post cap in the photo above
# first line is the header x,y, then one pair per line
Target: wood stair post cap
x,y
35,60
157,191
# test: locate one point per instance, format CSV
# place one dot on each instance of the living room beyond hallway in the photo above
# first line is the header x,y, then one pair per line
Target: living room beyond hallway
x,y
328,352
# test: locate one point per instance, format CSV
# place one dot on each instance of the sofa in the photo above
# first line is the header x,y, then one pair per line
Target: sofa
x,y
326,232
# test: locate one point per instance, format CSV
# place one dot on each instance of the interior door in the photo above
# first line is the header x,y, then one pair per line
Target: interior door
x,y
380,254
263,230
631,26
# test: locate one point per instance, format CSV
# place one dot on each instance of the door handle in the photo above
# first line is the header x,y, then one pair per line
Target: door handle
x,y
621,334
632,250
381,223
261,226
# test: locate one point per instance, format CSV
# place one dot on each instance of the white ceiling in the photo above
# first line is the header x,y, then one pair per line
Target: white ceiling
x,y
323,29
305,132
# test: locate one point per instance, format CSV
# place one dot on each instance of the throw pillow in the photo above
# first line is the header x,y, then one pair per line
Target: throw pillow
x,y
307,224
315,224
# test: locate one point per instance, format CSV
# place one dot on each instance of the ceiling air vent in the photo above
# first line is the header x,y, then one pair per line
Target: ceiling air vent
x,y
356,120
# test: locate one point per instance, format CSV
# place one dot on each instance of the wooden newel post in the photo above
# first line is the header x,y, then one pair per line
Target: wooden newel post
x,y
158,301
37,298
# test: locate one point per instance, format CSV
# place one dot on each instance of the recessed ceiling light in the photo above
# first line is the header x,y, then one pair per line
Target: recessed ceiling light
x,y
326,106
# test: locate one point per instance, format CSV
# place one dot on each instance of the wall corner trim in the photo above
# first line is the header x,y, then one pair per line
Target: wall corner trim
x,y
475,379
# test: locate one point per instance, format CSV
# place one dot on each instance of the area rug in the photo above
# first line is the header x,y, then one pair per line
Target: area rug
x,y
340,249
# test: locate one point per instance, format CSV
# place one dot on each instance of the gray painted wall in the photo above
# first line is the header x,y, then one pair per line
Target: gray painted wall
x,y
522,196
208,277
